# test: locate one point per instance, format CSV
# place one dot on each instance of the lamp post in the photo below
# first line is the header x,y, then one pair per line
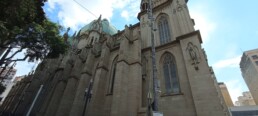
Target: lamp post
x,y
154,67
153,56
87,96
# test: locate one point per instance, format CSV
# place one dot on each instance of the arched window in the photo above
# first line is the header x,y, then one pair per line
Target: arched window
x,y
112,76
164,32
170,74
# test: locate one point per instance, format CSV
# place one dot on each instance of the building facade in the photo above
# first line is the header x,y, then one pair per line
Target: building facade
x,y
249,69
109,72
8,74
225,94
245,100
18,78
6,79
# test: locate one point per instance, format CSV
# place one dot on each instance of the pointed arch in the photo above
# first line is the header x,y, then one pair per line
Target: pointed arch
x,y
112,76
163,28
170,74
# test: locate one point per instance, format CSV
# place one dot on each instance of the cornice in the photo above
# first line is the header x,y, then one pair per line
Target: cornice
x,y
197,32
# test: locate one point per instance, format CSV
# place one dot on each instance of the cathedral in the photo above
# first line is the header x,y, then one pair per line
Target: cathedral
x,y
107,72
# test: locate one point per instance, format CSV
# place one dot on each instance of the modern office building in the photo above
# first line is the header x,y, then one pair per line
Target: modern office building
x,y
249,69
7,76
245,100
6,79
18,78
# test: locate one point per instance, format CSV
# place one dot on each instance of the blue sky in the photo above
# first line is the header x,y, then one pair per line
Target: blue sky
x,y
227,27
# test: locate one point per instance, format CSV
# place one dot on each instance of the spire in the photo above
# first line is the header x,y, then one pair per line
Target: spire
x,y
65,36
100,25
99,19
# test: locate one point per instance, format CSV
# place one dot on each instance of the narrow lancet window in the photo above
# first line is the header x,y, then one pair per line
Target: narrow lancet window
x,y
164,32
170,74
112,76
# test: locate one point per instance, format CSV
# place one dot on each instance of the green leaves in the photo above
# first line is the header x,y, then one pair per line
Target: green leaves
x,y
23,24
54,40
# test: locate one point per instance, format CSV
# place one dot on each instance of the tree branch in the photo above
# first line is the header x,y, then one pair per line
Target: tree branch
x,y
18,51
23,59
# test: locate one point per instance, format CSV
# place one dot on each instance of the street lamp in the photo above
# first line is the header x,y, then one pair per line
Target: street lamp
x,y
87,96
154,68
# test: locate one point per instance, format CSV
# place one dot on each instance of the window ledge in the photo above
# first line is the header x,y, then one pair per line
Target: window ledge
x,y
171,94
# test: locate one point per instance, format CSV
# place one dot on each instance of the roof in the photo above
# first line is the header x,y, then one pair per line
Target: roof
x,y
106,27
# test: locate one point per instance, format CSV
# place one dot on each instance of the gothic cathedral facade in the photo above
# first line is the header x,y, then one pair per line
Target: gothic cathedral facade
x,y
109,73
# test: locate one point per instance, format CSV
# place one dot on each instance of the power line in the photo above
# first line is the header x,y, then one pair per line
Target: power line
x,y
88,11
85,8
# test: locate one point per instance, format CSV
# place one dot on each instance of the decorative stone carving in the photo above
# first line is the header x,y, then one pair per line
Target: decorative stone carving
x,y
194,55
110,42
96,49
158,2
179,7
84,54
144,23
97,26
65,36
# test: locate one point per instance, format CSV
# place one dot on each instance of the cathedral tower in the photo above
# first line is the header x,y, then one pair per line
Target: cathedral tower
x,y
187,84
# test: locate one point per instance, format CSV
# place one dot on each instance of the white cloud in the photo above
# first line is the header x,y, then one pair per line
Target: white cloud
x,y
200,13
23,68
125,14
234,88
73,15
231,62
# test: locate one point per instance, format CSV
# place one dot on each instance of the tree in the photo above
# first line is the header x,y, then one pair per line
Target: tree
x,y
16,14
23,25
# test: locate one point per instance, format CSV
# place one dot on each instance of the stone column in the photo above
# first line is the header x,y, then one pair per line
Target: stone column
x,y
59,89
180,9
48,82
17,94
30,93
71,87
119,103
86,75
134,78
205,96
96,105
50,91
127,92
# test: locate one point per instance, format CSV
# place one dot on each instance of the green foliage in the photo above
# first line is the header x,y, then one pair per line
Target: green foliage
x,y
21,12
54,40
41,41
23,24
